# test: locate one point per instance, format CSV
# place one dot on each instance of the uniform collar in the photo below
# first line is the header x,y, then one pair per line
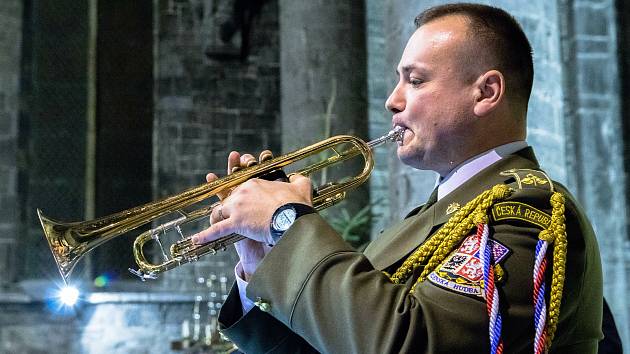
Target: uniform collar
x,y
469,168
411,232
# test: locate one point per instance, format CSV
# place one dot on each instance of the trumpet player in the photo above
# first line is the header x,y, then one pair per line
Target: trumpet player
x,y
501,258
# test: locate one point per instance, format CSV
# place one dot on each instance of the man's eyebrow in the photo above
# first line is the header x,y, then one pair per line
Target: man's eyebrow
x,y
408,68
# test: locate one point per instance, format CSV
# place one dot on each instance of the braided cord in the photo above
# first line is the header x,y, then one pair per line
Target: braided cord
x,y
540,308
556,233
490,291
440,245
433,252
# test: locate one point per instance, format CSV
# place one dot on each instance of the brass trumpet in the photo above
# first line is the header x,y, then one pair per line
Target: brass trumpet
x,y
70,241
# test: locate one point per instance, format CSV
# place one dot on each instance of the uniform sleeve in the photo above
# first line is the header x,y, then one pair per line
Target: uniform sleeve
x,y
256,331
324,291
581,310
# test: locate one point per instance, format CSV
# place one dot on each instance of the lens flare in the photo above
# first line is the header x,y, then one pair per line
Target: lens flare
x,y
101,281
68,295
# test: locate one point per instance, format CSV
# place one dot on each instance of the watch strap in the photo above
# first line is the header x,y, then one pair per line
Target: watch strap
x,y
300,210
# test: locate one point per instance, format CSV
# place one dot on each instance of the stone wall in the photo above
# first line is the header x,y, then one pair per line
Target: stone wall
x,y
10,46
593,124
207,105
52,124
323,90
125,323
379,76
208,101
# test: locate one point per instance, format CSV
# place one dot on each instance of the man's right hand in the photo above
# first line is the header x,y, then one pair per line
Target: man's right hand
x,y
249,251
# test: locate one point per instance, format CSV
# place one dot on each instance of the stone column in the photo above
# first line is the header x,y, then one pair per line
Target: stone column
x,y
323,74
594,129
407,187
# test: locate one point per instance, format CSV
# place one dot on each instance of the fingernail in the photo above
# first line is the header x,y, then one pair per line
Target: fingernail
x,y
195,239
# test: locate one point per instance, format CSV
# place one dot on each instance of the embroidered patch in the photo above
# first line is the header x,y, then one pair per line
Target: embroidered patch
x,y
462,270
520,211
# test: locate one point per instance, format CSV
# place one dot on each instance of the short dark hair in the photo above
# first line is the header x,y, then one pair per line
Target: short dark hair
x,y
494,28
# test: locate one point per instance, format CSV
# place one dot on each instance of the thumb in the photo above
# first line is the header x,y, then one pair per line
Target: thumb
x,y
211,177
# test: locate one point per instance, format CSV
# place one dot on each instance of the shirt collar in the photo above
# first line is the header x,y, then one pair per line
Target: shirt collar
x,y
474,165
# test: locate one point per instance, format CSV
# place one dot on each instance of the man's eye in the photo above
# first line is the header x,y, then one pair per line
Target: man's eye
x,y
416,82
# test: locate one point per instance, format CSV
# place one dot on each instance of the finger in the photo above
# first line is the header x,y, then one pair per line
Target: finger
x,y
234,162
248,160
217,215
214,232
265,155
223,194
211,177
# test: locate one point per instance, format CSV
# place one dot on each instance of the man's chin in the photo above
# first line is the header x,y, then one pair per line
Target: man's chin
x,y
410,158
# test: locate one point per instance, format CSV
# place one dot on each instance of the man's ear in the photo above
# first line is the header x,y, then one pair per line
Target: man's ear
x,y
490,90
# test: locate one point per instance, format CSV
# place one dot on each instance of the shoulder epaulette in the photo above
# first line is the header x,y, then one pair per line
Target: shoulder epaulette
x,y
529,178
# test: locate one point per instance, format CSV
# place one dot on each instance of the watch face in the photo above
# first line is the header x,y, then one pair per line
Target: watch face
x,y
284,219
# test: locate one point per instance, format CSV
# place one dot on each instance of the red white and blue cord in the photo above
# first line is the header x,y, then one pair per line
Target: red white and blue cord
x,y
540,307
491,292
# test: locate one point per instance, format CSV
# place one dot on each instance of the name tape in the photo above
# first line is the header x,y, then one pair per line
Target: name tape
x,y
520,211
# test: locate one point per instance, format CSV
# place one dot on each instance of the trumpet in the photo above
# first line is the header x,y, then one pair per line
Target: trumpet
x,y
69,241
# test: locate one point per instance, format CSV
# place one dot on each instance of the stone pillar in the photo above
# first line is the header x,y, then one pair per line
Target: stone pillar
x,y
595,134
407,187
10,44
323,74
379,120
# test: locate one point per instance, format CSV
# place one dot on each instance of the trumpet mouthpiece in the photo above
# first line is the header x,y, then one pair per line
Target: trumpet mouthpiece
x,y
397,134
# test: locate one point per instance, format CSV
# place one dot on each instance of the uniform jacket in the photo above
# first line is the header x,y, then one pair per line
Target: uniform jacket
x,y
315,293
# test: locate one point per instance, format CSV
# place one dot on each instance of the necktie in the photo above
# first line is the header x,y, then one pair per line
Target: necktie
x,y
432,199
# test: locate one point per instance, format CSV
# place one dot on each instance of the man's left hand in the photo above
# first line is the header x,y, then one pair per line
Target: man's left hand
x,y
249,208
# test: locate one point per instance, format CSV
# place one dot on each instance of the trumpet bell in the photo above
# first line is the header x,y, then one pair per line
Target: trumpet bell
x,y
66,249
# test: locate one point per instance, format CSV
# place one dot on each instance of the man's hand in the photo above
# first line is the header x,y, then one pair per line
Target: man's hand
x,y
247,210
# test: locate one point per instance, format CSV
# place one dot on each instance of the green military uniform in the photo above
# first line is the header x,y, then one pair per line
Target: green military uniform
x,y
315,293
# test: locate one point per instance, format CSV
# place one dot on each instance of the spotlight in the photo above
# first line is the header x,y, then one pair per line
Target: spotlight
x,y
68,295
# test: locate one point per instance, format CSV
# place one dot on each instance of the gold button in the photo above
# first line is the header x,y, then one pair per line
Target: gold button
x,y
262,304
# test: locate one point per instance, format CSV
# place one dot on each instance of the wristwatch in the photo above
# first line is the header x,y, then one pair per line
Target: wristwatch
x,y
284,217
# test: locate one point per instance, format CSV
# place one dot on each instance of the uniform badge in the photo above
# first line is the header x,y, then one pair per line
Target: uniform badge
x,y
528,178
462,270
453,207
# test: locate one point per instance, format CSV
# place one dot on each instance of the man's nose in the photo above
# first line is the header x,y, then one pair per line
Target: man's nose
x,y
396,101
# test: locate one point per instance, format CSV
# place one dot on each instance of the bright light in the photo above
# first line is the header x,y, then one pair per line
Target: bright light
x,y
69,295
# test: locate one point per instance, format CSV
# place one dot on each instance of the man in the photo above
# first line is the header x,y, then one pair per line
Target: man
x,y
459,273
